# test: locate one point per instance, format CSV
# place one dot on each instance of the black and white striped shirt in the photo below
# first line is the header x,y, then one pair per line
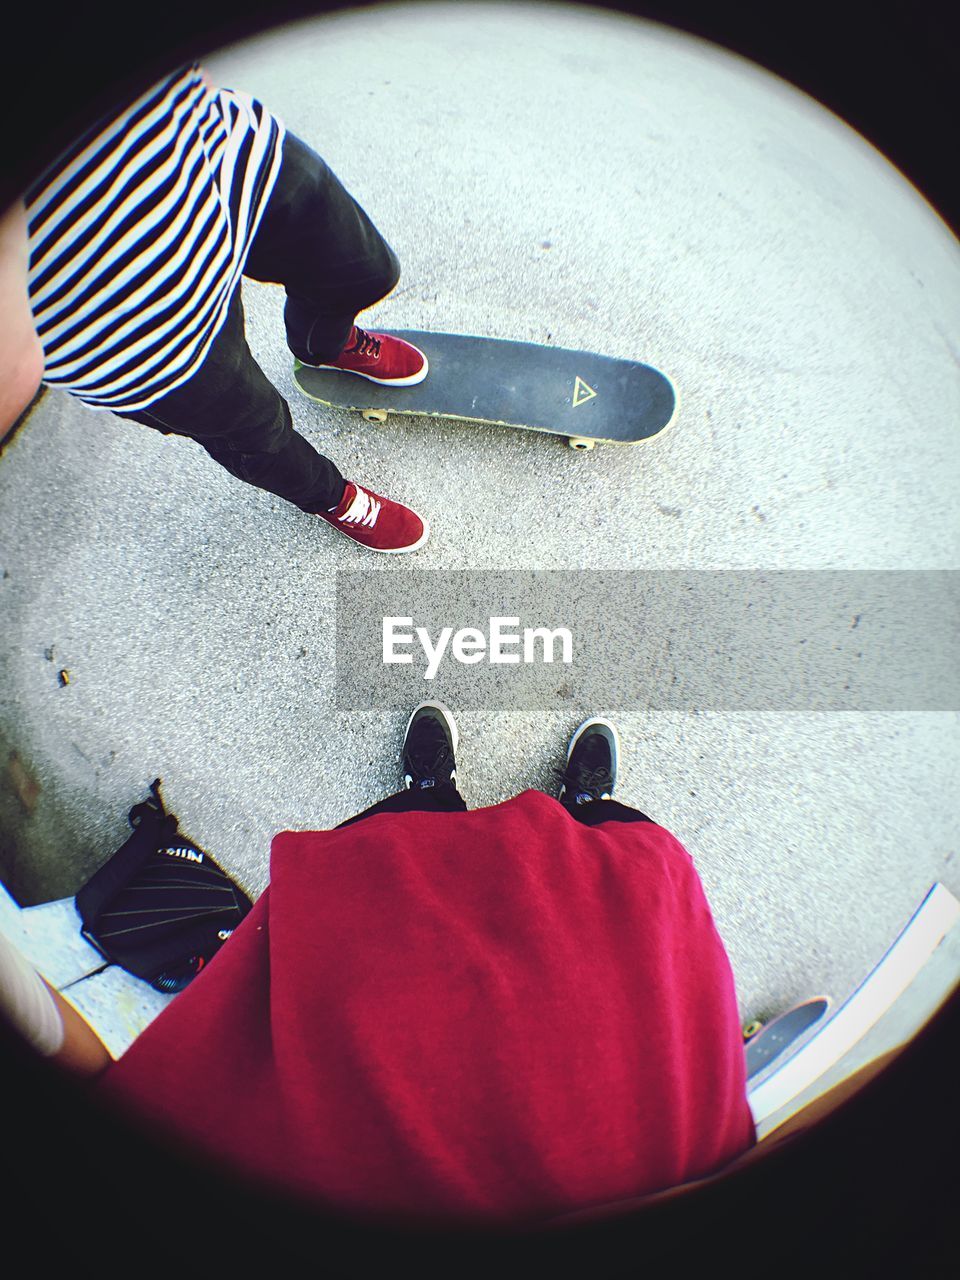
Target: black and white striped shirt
x,y
138,238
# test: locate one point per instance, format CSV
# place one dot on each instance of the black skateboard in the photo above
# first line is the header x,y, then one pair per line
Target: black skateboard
x,y
766,1041
585,397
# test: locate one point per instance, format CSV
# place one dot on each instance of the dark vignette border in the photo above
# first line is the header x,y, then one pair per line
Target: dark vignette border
x,y
873,1188
891,70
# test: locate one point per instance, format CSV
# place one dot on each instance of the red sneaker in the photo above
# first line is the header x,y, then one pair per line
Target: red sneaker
x,y
381,358
377,522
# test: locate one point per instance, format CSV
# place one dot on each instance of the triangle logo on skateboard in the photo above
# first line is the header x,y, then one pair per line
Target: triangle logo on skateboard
x,y
581,392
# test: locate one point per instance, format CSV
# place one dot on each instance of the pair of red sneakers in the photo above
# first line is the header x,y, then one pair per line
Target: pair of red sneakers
x,y
366,517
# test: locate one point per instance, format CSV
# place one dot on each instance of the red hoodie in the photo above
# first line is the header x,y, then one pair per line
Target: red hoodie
x,y
493,1016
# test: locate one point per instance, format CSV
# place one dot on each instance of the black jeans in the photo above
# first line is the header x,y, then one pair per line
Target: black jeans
x,y
316,241
449,800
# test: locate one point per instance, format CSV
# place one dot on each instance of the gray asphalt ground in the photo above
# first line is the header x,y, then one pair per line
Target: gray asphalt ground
x,y
559,176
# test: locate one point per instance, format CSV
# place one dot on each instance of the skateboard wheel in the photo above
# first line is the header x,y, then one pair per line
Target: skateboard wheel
x,y
375,415
751,1029
581,443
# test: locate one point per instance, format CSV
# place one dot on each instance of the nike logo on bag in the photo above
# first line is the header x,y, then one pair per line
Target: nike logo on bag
x,y
191,855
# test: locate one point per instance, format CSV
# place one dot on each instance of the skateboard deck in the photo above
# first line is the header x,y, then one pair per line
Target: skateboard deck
x,y
766,1041
586,397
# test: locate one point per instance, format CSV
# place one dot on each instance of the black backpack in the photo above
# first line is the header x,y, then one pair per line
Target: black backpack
x,y
161,907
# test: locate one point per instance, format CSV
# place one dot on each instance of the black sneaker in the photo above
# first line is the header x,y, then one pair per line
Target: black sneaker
x,y
591,768
428,747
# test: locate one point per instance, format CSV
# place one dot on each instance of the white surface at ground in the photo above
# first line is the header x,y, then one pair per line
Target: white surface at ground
x,y
560,176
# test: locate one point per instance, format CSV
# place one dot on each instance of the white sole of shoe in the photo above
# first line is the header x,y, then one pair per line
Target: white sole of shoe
x,y
412,381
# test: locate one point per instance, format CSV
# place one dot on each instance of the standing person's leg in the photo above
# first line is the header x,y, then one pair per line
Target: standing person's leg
x,y
590,775
429,770
316,241
232,410
429,766
593,812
